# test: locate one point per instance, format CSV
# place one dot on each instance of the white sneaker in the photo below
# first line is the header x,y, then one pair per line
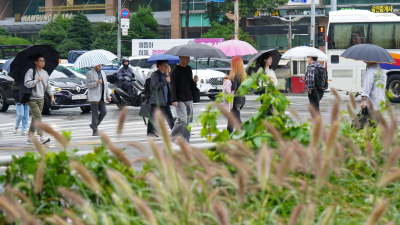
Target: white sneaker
x,y
15,130
29,141
44,140
24,132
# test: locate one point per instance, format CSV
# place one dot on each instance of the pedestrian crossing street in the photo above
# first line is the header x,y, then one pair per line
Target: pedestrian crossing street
x,y
82,134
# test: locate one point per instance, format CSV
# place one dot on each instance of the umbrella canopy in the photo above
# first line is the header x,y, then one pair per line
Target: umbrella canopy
x,y
94,58
368,53
24,60
6,66
236,48
196,50
255,62
171,58
303,52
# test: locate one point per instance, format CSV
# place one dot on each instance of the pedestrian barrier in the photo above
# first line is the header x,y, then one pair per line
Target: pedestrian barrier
x,y
7,159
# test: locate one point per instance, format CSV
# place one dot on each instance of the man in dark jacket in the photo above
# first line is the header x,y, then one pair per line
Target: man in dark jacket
x,y
125,76
314,95
160,97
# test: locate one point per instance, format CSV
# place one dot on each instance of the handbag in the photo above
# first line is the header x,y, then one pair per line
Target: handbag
x,y
24,92
145,109
195,92
362,119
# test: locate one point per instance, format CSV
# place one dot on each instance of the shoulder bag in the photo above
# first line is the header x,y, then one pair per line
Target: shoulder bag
x,y
26,93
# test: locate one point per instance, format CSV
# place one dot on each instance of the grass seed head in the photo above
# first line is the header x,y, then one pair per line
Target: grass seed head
x,y
144,210
310,214
46,128
296,214
313,111
39,176
241,187
121,120
329,212
120,155
137,145
316,132
388,179
71,215
185,149
335,111
231,119
391,160
353,100
86,177
119,183
264,162
220,213
54,219
10,209
377,213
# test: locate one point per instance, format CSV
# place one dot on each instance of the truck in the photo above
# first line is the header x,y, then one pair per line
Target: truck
x,y
107,68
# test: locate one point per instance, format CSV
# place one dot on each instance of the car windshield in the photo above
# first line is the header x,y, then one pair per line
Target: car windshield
x,y
112,63
61,72
82,71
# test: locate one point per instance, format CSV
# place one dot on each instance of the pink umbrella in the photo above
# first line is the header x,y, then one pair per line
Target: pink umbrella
x,y
236,48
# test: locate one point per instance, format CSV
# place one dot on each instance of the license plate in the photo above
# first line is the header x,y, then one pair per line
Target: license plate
x,y
78,97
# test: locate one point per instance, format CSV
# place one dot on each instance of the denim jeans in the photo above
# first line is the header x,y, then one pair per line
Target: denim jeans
x,y
22,115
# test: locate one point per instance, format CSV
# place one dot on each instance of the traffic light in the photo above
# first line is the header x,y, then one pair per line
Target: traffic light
x,y
321,35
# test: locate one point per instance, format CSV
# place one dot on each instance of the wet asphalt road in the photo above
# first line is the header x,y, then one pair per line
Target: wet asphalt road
x,y
134,129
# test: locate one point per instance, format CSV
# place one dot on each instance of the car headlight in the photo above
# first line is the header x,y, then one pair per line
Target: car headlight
x,y
55,89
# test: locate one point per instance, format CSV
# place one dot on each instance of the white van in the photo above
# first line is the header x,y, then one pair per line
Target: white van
x,y
210,81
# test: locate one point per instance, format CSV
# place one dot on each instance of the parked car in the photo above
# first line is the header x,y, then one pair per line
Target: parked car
x,y
107,68
69,91
222,65
139,63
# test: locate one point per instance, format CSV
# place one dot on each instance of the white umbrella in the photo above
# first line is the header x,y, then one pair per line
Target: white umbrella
x,y
94,58
303,52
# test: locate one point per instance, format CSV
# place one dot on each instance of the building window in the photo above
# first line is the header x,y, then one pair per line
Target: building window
x,y
28,7
85,3
156,5
196,4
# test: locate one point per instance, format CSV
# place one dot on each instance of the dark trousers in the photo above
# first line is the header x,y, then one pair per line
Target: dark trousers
x,y
238,103
97,107
166,111
269,110
315,97
127,87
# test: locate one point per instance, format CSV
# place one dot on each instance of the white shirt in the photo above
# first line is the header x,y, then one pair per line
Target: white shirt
x,y
269,73
374,84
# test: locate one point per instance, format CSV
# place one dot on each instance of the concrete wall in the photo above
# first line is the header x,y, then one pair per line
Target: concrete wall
x,y
176,20
7,7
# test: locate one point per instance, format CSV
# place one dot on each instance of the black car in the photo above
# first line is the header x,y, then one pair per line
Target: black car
x,y
69,91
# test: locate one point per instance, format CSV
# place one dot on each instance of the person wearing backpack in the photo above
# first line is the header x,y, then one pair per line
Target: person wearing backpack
x,y
160,96
237,76
22,110
316,79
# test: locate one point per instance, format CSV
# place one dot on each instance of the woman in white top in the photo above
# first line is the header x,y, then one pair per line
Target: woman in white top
x,y
266,62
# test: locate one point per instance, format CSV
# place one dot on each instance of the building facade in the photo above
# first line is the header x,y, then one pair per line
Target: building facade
x,y
26,17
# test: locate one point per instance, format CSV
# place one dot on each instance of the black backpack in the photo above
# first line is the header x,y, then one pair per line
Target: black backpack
x,y
147,89
321,78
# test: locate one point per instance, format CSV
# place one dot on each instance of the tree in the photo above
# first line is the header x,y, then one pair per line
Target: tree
x,y
213,12
144,24
64,22
102,27
66,46
4,32
250,6
226,32
81,31
52,34
107,40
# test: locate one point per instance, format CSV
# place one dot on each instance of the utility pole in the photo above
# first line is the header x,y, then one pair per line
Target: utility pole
x,y
119,32
290,21
312,27
236,20
290,33
333,5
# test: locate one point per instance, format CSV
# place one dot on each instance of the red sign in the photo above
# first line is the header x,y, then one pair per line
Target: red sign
x,y
125,13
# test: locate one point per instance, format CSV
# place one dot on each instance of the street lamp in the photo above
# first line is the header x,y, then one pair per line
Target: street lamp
x,y
290,21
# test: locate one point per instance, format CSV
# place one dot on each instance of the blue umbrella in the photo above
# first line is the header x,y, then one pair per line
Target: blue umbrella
x,y
171,58
6,66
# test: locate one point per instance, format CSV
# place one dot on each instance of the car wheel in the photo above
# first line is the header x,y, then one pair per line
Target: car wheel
x,y
393,86
212,97
86,109
3,103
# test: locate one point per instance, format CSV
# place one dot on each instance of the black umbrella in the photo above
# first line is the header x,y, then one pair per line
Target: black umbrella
x,y
368,53
196,50
255,62
24,60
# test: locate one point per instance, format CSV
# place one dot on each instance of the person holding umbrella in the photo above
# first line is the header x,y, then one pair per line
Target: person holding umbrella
x,y
265,68
38,80
374,84
98,92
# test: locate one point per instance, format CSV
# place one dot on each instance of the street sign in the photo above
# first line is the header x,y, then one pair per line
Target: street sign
x,y
125,23
125,13
124,31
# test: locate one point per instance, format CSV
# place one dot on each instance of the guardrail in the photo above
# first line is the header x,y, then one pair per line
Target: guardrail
x,y
7,159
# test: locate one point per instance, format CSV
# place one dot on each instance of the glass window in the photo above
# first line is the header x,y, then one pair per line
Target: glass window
x,y
195,5
144,65
87,3
382,34
134,62
222,64
204,63
31,7
156,5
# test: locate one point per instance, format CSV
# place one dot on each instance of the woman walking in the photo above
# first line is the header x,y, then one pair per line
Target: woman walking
x,y
237,76
22,111
266,62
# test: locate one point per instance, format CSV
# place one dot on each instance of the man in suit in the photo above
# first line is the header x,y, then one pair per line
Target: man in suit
x,y
98,92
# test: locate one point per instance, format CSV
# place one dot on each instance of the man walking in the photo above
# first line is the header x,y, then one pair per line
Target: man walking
x,y
314,95
182,98
38,80
98,91
160,96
